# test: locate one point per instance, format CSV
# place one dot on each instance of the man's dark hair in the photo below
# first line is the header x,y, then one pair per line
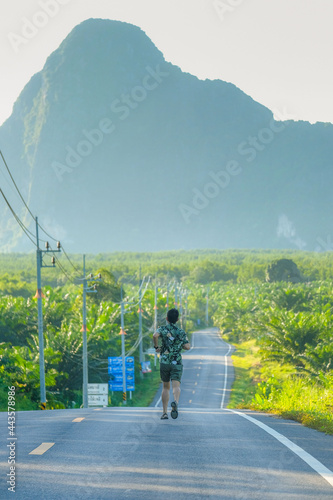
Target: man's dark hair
x,y
173,315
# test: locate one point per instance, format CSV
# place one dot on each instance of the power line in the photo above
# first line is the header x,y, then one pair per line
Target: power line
x,y
34,218
17,189
69,260
69,277
18,220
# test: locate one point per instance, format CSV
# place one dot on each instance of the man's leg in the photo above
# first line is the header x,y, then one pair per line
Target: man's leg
x,y
176,390
165,395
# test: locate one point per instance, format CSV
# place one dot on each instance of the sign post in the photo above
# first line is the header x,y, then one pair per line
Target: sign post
x,y
97,394
117,370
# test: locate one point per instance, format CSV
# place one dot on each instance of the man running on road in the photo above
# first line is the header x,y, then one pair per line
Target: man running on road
x,y
171,366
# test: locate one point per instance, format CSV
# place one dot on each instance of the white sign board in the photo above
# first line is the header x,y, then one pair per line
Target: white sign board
x,y
101,389
97,399
151,351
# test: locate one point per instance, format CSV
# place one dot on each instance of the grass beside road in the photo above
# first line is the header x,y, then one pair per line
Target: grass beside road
x,y
247,371
276,389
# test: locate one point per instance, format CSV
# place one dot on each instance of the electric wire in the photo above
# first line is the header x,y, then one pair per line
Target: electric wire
x,y
71,278
23,226
34,218
18,220
17,189
20,195
137,303
64,271
69,260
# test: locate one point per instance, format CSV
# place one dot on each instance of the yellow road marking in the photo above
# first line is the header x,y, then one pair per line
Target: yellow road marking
x,y
196,383
78,419
40,450
197,374
190,401
193,392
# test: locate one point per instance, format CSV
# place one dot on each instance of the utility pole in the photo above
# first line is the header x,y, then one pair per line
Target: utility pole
x,y
84,333
39,296
207,305
180,308
140,325
167,297
185,317
122,333
155,306
40,324
155,316
86,290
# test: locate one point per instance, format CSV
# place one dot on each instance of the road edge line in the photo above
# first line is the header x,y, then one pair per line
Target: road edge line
x,y
225,375
317,466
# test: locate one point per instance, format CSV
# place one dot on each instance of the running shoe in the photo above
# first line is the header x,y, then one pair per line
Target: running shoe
x,y
174,411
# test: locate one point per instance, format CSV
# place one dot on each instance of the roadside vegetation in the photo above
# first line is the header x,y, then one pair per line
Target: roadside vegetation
x,y
284,358
283,330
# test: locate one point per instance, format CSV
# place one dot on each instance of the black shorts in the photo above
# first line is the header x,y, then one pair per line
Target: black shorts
x,y
173,372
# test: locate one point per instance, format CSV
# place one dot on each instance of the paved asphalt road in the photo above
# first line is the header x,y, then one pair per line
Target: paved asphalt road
x,y
208,452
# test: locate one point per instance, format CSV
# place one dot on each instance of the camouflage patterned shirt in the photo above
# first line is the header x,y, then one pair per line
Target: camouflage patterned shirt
x,y
173,339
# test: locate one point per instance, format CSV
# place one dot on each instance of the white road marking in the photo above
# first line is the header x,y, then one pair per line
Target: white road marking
x,y
41,449
78,419
225,375
158,402
317,466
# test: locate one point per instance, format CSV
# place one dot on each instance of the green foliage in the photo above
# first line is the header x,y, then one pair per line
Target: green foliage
x,y
17,319
108,288
298,399
290,323
283,270
272,387
62,318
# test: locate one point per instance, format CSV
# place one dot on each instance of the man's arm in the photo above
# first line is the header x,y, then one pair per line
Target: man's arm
x,y
155,340
187,346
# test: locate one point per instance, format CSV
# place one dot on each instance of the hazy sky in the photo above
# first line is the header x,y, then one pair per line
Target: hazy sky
x,y
277,51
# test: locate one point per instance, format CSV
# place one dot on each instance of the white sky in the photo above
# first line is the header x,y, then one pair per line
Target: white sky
x,y
277,51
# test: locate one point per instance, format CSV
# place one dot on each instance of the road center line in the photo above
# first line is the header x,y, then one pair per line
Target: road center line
x,y
317,466
78,419
41,449
225,375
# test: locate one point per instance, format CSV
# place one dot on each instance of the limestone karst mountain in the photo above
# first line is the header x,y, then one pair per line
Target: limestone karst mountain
x,y
116,149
